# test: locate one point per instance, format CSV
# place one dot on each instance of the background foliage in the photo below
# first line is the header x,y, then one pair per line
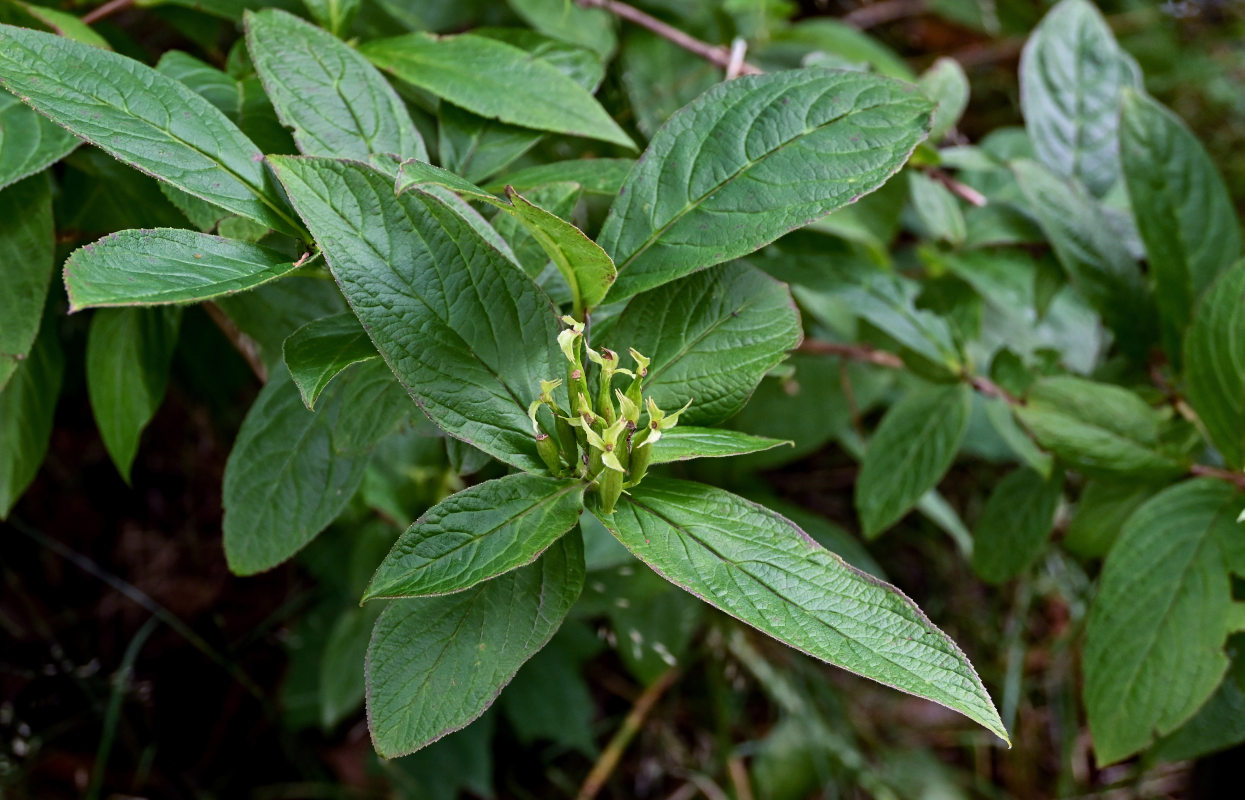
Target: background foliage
x,y
1018,396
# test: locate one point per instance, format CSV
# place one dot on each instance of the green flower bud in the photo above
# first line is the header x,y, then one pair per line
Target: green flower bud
x,y
610,487
548,450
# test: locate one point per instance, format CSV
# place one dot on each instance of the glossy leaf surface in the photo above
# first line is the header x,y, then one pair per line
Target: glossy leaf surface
x,y
752,159
687,442
436,664
318,351
336,103
478,534
166,265
760,568
711,338
147,120
463,328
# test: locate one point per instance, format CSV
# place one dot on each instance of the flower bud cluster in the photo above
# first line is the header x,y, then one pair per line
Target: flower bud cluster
x,y
607,441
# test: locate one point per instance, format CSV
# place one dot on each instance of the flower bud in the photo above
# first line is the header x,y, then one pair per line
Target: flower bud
x,y
548,450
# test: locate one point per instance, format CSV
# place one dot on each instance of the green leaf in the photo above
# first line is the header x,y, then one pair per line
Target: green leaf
x,y
687,442
478,534
128,352
602,176
1183,211
27,246
1015,525
335,102
64,24
946,84
1154,643
592,28
27,405
285,479
319,350
413,172
841,42
1101,511
888,302
28,142
937,209
1101,430
269,314
411,264
437,663
1218,724
912,449
215,86
166,265
226,9
496,80
760,568
1072,74
752,159
711,338
378,404
1214,360
335,15
145,119
342,684
585,266
1094,256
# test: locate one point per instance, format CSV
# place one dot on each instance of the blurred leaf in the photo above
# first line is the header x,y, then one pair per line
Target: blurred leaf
x,y
128,352
27,245
1015,525
1182,208
29,143
946,84
549,698
1101,512
334,15
837,39
937,209
341,666
592,28
1214,360
909,453
27,405
1154,642
1102,430
1072,73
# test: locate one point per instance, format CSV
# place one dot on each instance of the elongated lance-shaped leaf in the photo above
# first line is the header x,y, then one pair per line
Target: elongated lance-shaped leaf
x,y
711,338
437,663
1101,430
1096,261
1183,211
166,265
912,449
336,103
752,159
496,80
1214,360
128,352
27,253
149,121
463,328
29,143
1072,74
27,406
585,266
478,534
687,442
762,569
1154,647
318,351
287,477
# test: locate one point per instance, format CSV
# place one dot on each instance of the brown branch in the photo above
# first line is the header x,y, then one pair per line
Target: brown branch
x,y
963,191
882,12
1237,479
106,10
244,344
631,725
714,54
989,388
854,352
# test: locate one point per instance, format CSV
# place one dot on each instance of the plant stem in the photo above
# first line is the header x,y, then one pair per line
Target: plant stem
x,y
1204,471
714,54
853,352
120,682
244,344
882,12
106,10
631,725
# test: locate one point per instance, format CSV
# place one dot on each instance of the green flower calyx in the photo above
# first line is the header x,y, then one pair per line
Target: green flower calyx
x,y
606,443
